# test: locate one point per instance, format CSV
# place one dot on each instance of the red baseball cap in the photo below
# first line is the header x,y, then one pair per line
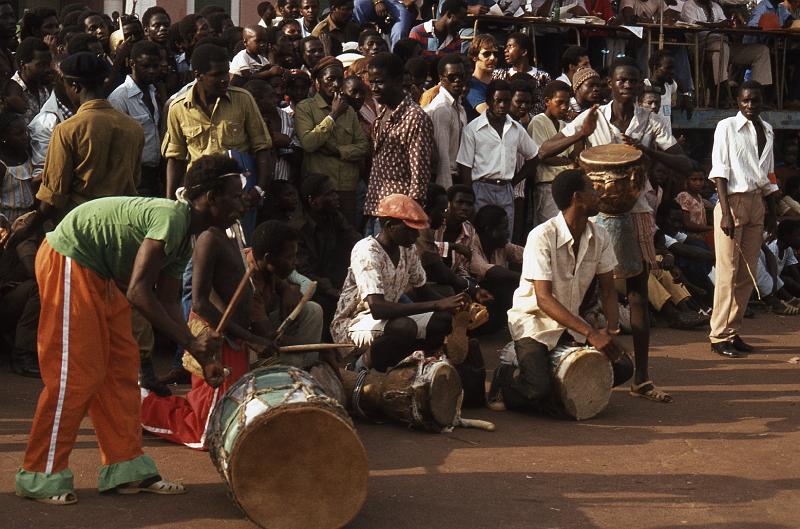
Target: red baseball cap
x,y
402,207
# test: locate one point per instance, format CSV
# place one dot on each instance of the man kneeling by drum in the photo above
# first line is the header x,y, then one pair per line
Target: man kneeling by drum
x,y
371,311
562,257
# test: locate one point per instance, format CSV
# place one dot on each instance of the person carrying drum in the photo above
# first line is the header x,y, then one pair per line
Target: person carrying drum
x,y
623,121
371,313
89,359
562,257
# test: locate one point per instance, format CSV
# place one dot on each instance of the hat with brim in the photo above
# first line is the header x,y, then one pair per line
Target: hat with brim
x,y
402,207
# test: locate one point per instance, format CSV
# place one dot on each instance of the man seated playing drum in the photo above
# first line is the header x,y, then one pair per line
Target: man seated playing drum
x,y
371,313
562,257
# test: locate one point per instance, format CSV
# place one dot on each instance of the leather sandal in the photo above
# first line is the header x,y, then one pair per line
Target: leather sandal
x,y
154,485
647,390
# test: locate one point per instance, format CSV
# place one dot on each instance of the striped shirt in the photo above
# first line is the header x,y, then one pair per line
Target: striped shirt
x,y
16,195
431,47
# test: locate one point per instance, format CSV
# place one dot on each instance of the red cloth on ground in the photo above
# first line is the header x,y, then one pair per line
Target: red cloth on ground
x,y
184,419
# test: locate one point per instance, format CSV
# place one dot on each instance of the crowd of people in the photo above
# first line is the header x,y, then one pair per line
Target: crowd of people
x,y
393,168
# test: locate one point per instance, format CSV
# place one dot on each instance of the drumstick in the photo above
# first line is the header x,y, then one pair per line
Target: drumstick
x,y
314,347
475,423
235,299
312,287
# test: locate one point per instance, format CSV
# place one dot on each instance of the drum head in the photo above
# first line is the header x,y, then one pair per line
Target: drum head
x,y
299,466
611,154
444,394
585,384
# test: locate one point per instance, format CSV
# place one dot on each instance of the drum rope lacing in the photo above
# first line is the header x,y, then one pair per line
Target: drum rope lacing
x,y
359,387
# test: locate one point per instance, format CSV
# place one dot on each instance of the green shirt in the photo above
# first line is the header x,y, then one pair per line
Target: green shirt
x,y
104,235
332,148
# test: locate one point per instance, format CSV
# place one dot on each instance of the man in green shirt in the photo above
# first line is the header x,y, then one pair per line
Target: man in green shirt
x,y
331,136
88,357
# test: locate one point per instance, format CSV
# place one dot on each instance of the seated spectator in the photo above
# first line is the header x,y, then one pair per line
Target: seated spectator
x,y
695,207
709,13
484,53
455,238
338,25
778,277
326,239
17,188
382,269
492,253
281,203
393,15
19,300
440,36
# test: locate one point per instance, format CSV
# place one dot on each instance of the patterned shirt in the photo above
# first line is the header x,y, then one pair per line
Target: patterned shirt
x,y
540,80
402,160
480,264
16,195
458,263
373,272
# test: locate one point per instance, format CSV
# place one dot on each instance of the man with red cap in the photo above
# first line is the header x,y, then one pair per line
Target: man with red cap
x,y
373,312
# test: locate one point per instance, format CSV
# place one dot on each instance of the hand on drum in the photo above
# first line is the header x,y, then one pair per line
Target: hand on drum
x,y
483,296
214,373
603,342
452,304
590,123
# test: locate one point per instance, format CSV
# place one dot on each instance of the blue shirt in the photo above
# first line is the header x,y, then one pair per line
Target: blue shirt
x,y
475,96
764,7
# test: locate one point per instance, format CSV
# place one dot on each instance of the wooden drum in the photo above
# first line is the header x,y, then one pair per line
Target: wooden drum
x,y
583,379
617,173
419,392
288,453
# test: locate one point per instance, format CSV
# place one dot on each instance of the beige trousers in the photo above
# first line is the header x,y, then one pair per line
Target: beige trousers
x,y
733,283
756,56
662,288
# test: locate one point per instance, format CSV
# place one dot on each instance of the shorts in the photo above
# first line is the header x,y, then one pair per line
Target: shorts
x,y
366,329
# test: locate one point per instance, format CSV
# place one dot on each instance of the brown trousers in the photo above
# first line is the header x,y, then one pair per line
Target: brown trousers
x,y
733,283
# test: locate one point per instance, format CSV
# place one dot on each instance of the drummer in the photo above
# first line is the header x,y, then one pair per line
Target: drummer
x,y
562,257
373,311
643,130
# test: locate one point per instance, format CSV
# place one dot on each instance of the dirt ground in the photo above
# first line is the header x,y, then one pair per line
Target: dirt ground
x,y
724,455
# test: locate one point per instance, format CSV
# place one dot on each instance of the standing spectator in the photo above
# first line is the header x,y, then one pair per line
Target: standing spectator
x,y
280,126
219,23
519,57
587,88
94,24
212,118
287,10
136,97
333,141
83,161
34,74
252,61
543,127
440,36
309,16
313,51
403,140
193,29
572,60
484,54
61,105
42,23
339,24
16,170
156,22
487,157
743,171
266,12
448,117
662,66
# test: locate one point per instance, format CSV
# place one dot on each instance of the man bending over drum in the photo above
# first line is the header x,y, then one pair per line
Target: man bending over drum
x,y
372,312
562,257
88,356
623,121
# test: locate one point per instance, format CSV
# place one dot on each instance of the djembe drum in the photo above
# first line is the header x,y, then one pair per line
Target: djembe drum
x,y
288,453
617,174
421,392
583,379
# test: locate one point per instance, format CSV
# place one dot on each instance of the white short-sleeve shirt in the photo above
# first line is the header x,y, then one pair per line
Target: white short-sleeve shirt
x,y
489,155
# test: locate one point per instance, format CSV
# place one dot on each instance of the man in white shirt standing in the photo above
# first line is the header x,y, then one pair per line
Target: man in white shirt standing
x,y
136,97
448,116
573,59
487,156
742,168
562,258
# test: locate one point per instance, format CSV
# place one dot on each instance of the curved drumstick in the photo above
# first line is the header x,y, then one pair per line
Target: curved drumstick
x,y
312,287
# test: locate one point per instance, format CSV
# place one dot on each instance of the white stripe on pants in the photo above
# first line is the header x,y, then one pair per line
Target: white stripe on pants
x,y
62,384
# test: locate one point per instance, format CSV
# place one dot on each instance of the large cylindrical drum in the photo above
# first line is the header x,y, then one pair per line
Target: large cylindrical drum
x,y
420,392
288,452
617,174
583,379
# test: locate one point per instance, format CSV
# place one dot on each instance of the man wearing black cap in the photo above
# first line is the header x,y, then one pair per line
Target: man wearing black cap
x,y
96,153
329,131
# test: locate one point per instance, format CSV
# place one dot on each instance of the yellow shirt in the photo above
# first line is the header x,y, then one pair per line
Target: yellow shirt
x,y
234,124
84,160
333,148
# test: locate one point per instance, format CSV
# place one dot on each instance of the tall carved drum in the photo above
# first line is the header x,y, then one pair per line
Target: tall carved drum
x,y
617,173
288,452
